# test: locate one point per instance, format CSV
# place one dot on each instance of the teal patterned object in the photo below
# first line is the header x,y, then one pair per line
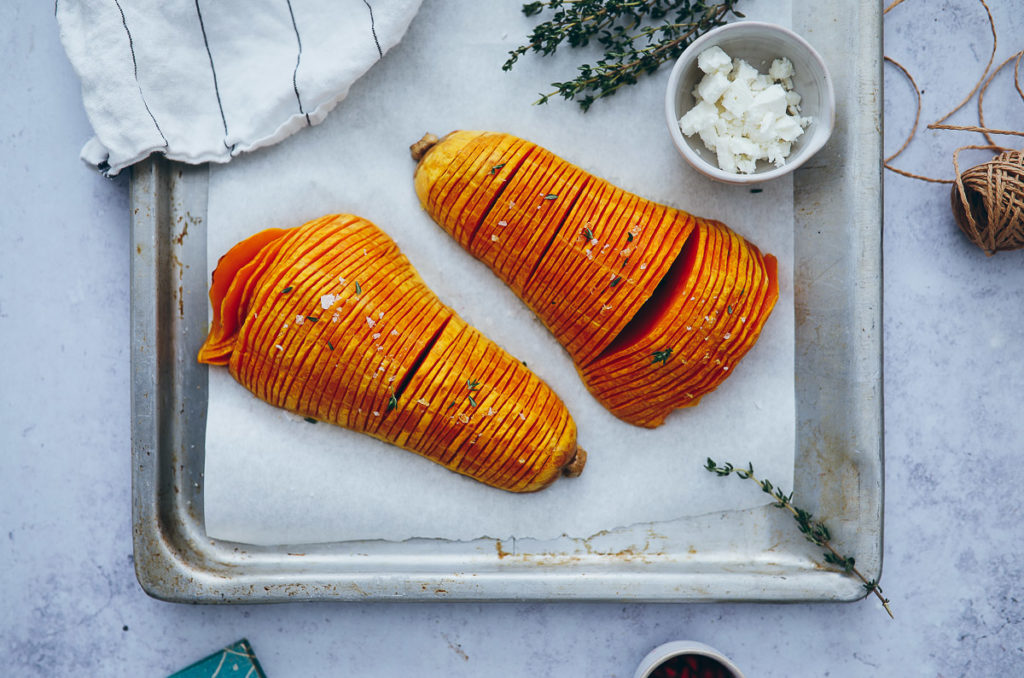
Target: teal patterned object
x,y
234,661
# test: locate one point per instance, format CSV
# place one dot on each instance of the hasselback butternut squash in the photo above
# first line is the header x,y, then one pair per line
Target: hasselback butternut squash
x,y
655,306
329,320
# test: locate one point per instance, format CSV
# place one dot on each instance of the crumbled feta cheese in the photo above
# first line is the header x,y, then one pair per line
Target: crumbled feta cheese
x,y
744,116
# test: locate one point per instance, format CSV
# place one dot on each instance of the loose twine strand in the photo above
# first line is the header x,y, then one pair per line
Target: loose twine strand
x,y
993,190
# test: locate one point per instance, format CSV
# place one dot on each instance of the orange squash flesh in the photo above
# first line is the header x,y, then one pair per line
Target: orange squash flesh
x,y
592,267
460,197
387,358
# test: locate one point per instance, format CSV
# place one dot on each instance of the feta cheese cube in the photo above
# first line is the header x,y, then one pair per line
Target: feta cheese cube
x,y
713,86
700,116
780,69
713,60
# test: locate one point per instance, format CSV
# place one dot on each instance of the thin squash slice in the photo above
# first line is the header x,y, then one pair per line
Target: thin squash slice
x,y
656,307
330,321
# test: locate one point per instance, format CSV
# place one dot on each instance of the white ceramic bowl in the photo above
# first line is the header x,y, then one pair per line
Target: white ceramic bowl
x,y
758,44
663,653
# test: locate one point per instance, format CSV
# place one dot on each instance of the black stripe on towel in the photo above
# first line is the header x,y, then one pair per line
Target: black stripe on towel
x,y
373,29
213,70
135,69
298,60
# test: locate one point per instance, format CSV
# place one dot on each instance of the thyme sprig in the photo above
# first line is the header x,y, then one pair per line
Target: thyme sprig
x,y
815,531
637,37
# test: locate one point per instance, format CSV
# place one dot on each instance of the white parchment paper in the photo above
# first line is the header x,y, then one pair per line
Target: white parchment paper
x,y
273,478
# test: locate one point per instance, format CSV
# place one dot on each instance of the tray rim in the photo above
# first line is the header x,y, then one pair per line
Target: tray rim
x,y
176,561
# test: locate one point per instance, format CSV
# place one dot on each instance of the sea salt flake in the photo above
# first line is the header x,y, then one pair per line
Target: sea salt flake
x,y
299,320
370,322
327,300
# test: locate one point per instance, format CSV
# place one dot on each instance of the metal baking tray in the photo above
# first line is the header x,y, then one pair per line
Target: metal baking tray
x,y
752,555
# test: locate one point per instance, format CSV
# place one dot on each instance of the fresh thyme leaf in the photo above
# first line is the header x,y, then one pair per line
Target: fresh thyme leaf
x,y
728,309
287,290
392,402
471,401
312,318
637,37
815,531
496,168
452,404
629,237
587,232
550,196
661,356
330,345
473,384
359,288
311,420
756,190
616,281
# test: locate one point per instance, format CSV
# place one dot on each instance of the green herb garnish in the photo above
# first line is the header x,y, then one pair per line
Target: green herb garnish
x,y
312,318
392,403
616,281
587,232
330,345
637,36
311,420
815,531
496,168
550,196
286,290
629,237
661,356
359,288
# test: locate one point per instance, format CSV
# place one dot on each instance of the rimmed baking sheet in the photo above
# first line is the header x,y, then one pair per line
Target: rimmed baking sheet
x,y
738,555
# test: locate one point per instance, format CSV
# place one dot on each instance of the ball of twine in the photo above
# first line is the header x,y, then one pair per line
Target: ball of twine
x,y
988,202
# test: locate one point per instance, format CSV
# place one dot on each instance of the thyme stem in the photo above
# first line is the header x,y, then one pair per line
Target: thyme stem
x,y
814,530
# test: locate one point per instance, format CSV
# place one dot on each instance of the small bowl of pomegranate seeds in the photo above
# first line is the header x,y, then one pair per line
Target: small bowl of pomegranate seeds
x,y
686,659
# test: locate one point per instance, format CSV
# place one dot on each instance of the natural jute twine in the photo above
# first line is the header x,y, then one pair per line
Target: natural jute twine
x,y
987,200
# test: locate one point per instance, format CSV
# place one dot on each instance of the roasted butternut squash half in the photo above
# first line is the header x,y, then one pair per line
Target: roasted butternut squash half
x,y
655,306
330,321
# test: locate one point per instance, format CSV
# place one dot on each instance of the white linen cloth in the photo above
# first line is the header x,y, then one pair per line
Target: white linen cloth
x,y
205,80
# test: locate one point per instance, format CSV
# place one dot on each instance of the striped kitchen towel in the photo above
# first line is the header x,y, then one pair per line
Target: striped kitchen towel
x,y
205,80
